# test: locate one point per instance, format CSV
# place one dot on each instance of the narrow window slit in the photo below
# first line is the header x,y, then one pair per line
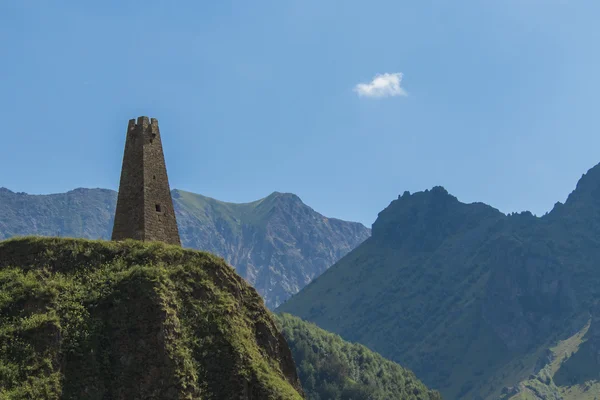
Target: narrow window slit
x,y
158,208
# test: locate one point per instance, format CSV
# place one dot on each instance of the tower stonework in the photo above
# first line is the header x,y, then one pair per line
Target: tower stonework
x,y
144,204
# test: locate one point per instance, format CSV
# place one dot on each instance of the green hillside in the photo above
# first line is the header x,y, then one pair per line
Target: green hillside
x,y
278,243
333,369
467,297
102,320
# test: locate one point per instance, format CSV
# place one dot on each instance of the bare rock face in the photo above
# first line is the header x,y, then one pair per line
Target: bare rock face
x,y
528,295
84,213
129,320
594,332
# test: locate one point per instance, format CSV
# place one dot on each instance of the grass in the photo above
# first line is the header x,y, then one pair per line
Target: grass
x,y
90,319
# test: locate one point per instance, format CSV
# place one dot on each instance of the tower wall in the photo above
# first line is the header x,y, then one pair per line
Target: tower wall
x,y
144,205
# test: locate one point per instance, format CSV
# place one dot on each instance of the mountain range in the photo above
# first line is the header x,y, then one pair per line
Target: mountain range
x,y
480,304
474,301
278,244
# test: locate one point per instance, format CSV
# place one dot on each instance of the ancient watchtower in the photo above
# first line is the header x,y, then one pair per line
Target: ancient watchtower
x,y
144,206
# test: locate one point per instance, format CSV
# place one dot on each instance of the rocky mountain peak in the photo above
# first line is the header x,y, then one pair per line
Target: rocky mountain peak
x,y
426,218
583,203
588,187
278,200
284,196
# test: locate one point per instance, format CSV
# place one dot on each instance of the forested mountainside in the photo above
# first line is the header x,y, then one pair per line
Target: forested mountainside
x,y
333,369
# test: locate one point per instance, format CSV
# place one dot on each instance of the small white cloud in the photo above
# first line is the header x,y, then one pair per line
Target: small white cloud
x,y
382,85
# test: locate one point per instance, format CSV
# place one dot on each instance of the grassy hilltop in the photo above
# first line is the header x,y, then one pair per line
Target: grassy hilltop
x,y
95,320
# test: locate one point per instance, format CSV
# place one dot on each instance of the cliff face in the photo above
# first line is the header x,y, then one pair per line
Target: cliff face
x,y
95,320
278,243
462,294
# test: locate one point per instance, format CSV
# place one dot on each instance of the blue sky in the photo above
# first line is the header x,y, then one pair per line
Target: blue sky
x,y
498,101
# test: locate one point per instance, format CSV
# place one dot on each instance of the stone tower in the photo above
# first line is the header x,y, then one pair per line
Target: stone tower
x,y
144,205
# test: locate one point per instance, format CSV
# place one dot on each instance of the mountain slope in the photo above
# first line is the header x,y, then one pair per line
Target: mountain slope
x,y
277,243
95,320
568,371
467,297
84,213
333,369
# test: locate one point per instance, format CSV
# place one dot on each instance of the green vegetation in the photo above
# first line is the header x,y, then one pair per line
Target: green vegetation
x,y
95,320
465,296
332,369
